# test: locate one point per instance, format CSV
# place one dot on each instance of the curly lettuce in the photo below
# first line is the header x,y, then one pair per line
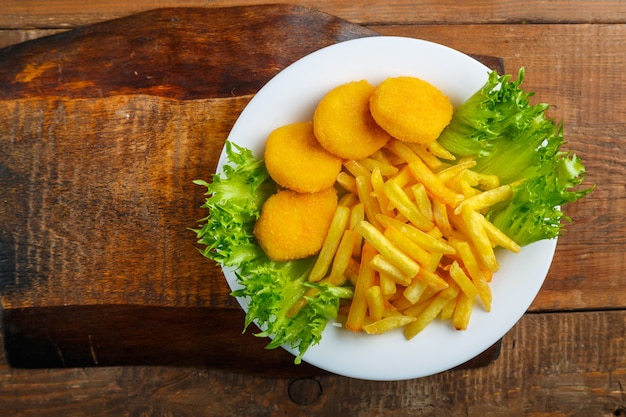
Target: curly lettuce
x,y
234,200
516,141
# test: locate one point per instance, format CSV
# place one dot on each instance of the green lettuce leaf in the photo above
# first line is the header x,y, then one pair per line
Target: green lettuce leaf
x,y
234,201
522,146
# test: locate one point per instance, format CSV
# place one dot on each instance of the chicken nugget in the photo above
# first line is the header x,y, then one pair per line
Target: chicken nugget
x,y
344,125
294,225
411,109
295,159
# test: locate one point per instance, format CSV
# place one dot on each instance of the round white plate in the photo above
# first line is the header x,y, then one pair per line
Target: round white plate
x,y
292,96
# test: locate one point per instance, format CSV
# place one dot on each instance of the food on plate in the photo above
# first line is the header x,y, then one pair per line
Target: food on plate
x,y
344,125
296,160
410,109
413,230
428,251
294,225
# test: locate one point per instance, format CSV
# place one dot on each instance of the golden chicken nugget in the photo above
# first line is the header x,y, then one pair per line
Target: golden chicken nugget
x,y
296,160
411,109
294,225
344,125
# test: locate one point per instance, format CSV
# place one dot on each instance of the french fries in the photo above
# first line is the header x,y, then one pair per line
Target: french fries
x,y
365,279
331,243
386,247
342,257
388,323
412,239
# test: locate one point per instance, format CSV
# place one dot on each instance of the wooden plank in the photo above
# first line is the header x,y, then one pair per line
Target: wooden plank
x,y
178,53
151,336
199,337
30,13
117,216
550,364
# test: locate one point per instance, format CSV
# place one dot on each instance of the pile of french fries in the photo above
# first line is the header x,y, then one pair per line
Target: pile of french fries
x,y
410,235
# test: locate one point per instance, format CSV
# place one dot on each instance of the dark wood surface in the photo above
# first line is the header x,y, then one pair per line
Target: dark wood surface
x,y
59,283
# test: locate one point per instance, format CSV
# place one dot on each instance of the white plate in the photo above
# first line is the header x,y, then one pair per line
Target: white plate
x,y
292,96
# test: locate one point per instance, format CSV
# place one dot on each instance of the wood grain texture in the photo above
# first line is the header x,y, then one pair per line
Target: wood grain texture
x,y
33,13
178,53
540,372
131,335
551,364
78,336
111,224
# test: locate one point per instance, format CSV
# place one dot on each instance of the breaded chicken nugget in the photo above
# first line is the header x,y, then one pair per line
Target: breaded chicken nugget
x,y
296,160
294,225
344,125
411,109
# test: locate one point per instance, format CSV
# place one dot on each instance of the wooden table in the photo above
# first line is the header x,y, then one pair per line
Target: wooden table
x,y
566,357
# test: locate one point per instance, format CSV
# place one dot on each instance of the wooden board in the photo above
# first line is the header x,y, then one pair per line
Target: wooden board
x,y
540,372
105,127
45,14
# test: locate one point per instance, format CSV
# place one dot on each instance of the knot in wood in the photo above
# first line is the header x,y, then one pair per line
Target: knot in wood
x,y
305,391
